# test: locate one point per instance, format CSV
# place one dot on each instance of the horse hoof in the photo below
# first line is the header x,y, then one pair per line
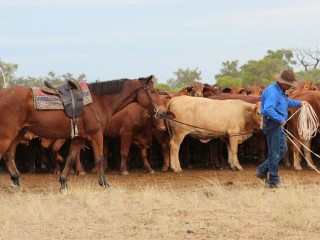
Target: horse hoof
x,y
150,171
15,187
82,173
63,189
124,173
63,182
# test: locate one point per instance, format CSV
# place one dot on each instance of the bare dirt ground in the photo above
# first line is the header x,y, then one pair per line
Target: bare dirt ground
x,y
195,204
189,178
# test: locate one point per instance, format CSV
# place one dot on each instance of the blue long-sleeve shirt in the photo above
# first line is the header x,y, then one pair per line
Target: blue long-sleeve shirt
x,y
275,104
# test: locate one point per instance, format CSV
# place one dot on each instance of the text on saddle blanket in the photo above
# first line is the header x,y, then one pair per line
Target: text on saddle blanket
x,y
45,101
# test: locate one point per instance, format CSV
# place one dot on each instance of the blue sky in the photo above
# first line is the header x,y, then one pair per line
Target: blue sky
x,y
135,38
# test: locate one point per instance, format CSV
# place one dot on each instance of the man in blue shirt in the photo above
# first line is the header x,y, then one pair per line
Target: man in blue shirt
x,y
274,108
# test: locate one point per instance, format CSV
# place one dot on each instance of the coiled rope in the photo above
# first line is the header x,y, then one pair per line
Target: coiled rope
x,y
307,128
308,122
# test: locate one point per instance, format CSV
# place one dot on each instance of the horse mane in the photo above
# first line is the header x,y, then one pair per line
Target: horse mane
x,y
107,87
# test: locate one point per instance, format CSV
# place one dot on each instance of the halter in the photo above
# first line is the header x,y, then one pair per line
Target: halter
x,y
157,113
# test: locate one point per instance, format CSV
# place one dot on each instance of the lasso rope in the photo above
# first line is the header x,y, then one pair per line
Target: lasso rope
x,y
291,137
307,128
308,122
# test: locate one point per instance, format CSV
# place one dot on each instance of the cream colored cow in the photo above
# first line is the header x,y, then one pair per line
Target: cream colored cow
x,y
232,119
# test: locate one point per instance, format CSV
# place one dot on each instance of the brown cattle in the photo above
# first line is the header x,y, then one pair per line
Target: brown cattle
x,y
313,98
236,90
134,125
255,91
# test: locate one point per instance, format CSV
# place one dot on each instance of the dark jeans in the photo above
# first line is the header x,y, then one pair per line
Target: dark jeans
x,y
277,148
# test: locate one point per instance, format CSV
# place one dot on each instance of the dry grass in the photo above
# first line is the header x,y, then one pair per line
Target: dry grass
x,y
211,210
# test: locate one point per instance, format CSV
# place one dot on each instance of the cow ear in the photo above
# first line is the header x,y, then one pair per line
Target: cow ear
x,y
170,115
189,89
250,108
226,90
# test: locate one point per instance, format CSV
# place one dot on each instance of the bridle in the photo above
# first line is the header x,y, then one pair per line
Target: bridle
x,y
157,113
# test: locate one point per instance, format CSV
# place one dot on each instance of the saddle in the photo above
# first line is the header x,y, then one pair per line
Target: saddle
x,y
72,99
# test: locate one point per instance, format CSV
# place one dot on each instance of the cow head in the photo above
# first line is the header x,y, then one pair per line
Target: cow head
x,y
196,89
256,116
306,85
255,119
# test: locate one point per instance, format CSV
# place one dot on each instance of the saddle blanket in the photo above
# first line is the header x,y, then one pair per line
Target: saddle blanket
x,y
44,101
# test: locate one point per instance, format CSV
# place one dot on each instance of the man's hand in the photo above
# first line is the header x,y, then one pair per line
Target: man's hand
x,y
305,103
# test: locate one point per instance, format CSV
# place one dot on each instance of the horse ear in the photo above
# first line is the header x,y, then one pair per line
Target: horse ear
x,y
150,78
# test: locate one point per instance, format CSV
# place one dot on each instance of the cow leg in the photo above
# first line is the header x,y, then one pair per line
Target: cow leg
x,y
261,142
54,150
163,140
175,143
185,152
296,155
307,153
235,165
288,155
79,167
125,147
146,165
230,160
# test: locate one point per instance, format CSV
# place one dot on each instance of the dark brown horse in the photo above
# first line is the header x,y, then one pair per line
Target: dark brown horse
x,y
18,114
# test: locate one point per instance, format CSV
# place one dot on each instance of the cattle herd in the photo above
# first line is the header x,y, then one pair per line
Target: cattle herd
x,y
201,125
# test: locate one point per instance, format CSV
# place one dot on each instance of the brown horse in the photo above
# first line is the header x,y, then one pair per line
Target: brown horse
x,y
18,114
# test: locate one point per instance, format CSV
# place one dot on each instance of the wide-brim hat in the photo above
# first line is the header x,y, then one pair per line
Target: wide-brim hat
x,y
287,77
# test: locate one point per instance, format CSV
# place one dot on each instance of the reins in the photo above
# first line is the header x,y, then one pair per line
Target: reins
x,y
146,88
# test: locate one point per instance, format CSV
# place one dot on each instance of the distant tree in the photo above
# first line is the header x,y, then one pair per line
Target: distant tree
x,y
308,58
229,69
54,79
29,81
312,74
184,78
51,77
228,81
261,72
7,73
164,87
257,72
